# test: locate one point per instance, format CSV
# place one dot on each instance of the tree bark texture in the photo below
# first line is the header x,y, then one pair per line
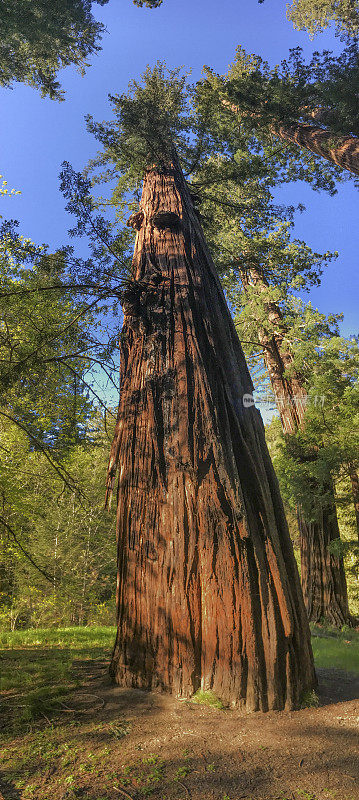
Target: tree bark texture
x,y
322,573
344,153
341,150
323,576
208,590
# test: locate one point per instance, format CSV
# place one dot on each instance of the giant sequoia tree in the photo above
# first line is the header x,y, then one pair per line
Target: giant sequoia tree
x,y
208,590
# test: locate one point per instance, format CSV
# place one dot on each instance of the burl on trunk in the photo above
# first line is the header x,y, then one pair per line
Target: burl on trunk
x,y
208,588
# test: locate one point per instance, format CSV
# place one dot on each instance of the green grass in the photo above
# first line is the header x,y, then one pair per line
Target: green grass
x,y
338,649
38,671
59,637
207,699
37,668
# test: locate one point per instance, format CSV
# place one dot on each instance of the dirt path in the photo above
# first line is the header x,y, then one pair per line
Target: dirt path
x,y
252,756
152,745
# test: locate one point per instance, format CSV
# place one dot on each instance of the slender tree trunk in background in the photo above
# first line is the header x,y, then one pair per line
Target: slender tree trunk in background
x,y
341,150
323,576
208,590
287,385
322,573
354,479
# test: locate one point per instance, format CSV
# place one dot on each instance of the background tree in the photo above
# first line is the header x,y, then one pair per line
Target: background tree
x,y
41,37
207,581
322,567
283,102
330,366
315,17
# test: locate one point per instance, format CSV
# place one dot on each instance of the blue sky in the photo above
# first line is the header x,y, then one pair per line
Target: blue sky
x,y
38,134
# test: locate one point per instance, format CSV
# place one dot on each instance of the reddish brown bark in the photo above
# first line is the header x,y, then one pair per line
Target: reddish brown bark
x,y
354,479
208,590
341,150
322,574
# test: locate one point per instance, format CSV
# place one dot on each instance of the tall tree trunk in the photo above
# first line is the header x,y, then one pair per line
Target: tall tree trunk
x,y
287,385
341,150
354,479
323,576
322,573
208,592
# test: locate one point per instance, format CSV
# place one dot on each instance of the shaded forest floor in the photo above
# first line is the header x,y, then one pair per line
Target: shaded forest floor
x,y
68,733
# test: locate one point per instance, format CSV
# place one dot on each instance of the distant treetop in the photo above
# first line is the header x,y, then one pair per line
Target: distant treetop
x,y
40,37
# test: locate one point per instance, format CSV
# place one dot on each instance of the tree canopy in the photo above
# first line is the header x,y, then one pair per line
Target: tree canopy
x,y
41,37
314,17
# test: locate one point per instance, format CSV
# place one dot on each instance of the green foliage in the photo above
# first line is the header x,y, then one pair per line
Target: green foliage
x,y
245,229
40,329
314,17
57,557
295,91
182,772
53,445
207,698
120,729
40,37
152,119
148,3
309,699
328,444
255,98
330,366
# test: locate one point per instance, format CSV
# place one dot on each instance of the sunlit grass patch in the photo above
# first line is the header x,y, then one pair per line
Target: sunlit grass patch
x,y
38,669
80,637
207,699
336,649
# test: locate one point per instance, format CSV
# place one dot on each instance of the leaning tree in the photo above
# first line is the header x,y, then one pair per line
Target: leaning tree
x,y
310,108
208,592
